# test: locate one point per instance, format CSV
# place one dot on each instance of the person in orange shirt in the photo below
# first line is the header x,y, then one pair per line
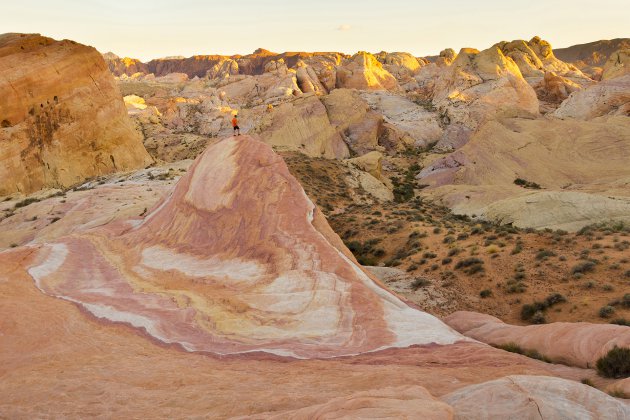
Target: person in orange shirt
x,y
237,130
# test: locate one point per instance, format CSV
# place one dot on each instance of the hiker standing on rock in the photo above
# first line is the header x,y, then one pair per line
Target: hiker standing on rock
x,y
237,130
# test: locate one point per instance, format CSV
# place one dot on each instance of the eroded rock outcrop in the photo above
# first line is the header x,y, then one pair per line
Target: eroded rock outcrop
x,y
363,71
63,118
617,65
608,97
483,85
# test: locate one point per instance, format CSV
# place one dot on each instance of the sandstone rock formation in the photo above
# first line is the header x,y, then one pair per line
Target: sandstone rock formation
x,y
554,88
363,71
582,181
535,58
617,65
370,162
528,397
401,65
316,302
609,97
573,344
481,85
237,260
63,118
352,118
302,125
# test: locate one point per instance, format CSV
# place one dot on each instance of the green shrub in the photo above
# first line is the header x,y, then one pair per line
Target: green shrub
x,y
621,321
615,364
515,348
485,293
606,311
554,299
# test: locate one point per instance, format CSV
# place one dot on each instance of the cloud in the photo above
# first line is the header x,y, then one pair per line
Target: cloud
x,y
344,27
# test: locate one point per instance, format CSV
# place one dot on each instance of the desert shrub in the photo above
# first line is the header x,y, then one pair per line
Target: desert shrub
x,y
518,248
485,293
606,311
544,254
625,300
419,282
554,299
470,265
437,230
462,236
583,267
538,318
26,202
515,348
530,309
453,252
526,184
446,260
615,364
588,382
429,255
621,321
516,287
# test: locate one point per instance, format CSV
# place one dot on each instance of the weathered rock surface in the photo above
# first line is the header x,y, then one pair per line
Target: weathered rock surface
x,y
535,58
479,86
302,125
609,97
63,118
363,71
575,344
529,397
583,181
390,403
617,65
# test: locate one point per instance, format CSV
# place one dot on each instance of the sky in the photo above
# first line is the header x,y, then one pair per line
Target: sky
x,y
151,29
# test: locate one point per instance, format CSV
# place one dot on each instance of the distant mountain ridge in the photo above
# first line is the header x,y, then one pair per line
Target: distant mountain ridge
x,y
593,53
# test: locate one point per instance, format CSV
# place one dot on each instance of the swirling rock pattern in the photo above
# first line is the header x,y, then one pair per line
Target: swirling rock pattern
x,y
237,259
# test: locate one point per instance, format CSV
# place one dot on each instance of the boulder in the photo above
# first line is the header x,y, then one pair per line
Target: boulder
x,y
370,162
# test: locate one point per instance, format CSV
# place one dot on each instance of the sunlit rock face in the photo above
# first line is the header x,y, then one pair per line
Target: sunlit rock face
x,y
363,71
62,118
618,64
236,260
478,86
535,57
608,97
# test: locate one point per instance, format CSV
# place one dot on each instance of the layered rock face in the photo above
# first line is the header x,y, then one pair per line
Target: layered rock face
x,y
608,97
63,118
236,260
363,71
